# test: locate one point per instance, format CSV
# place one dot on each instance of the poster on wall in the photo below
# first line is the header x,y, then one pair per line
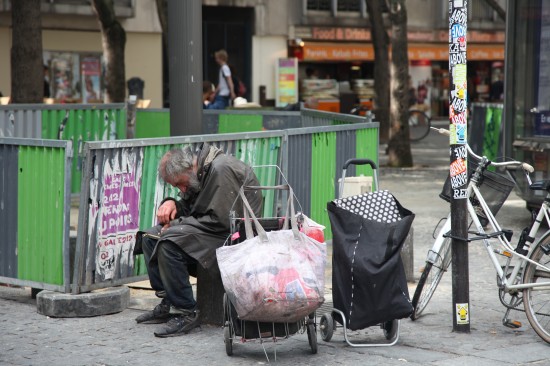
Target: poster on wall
x,y
90,71
287,82
421,85
114,214
64,73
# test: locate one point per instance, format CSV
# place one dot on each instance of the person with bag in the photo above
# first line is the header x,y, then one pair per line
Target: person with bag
x,y
190,229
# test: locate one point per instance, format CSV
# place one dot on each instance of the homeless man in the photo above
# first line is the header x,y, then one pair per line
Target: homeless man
x,y
190,229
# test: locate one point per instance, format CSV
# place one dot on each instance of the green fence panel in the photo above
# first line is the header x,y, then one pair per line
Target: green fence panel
x,y
366,145
229,123
323,166
81,125
40,214
257,152
152,123
492,132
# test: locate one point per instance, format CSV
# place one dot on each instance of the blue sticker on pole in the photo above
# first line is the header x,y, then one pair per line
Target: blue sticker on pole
x,y
458,31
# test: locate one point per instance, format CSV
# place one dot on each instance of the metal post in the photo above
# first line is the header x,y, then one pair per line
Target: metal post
x,y
131,117
185,66
458,24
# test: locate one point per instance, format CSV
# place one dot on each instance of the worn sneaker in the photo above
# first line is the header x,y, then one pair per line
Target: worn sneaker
x,y
160,314
180,324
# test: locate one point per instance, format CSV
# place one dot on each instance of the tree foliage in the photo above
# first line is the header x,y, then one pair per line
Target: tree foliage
x,y
114,41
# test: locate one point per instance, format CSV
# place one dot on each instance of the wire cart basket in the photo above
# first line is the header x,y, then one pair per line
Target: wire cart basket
x,y
236,329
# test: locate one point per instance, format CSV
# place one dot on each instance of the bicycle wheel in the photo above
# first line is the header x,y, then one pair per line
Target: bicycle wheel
x,y
419,125
537,299
430,279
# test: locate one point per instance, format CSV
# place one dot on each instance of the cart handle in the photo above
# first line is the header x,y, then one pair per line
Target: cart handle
x,y
356,161
359,162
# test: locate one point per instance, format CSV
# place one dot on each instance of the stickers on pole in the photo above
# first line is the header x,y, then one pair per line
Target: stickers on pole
x,y
458,103
462,314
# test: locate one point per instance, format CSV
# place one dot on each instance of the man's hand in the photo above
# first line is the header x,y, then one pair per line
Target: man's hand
x,y
166,212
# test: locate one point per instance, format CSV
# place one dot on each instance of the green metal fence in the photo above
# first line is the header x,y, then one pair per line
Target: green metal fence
x,y
309,157
35,194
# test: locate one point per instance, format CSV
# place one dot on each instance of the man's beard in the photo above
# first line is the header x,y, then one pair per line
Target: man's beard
x,y
194,185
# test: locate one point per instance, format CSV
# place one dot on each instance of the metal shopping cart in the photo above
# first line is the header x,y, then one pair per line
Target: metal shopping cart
x,y
369,285
244,330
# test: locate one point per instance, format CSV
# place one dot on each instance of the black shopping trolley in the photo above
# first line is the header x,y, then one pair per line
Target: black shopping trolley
x,y
236,329
369,286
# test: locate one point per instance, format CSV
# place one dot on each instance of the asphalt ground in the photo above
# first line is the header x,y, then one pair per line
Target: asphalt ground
x,y
28,338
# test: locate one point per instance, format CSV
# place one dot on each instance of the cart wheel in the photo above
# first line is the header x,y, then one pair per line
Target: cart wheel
x,y
225,307
312,336
326,324
227,339
390,329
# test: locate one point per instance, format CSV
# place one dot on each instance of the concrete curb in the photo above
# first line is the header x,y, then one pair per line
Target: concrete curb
x,y
101,302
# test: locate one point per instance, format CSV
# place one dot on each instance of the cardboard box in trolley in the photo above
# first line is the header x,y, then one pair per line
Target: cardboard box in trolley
x,y
354,186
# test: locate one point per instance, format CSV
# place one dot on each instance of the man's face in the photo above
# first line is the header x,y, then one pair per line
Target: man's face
x,y
187,183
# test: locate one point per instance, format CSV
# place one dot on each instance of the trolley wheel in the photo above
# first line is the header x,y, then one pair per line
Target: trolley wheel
x,y
312,336
390,329
227,339
227,329
326,324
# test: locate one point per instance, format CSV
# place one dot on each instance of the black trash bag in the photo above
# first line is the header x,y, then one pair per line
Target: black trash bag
x,y
369,284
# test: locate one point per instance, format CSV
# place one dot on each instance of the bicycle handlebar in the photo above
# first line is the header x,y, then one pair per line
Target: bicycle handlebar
x,y
525,166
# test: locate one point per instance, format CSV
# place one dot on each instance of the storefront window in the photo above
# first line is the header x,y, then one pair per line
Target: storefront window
x,y
318,4
74,77
529,86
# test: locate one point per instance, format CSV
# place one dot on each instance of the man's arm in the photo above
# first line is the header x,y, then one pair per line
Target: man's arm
x,y
229,80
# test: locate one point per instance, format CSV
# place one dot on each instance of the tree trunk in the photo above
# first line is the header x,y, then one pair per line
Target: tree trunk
x,y
113,40
27,71
162,10
380,40
399,146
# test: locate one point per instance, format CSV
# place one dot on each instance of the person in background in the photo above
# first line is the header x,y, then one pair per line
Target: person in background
x,y
225,91
209,100
208,93
497,89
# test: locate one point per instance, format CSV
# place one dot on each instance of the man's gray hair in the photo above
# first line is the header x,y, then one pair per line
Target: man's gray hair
x,y
175,162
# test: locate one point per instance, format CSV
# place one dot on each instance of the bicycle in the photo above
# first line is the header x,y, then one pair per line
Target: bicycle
x,y
419,122
524,277
419,125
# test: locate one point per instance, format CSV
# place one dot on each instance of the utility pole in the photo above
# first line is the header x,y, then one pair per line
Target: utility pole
x,y
185,66
458,170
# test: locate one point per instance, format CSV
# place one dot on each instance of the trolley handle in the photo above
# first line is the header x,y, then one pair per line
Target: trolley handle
x,y
355,161
359,162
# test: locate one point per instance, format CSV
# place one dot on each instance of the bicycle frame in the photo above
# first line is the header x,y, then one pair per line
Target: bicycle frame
x,y
511,254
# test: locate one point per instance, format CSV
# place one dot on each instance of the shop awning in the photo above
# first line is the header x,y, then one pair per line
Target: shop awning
x,y
323,51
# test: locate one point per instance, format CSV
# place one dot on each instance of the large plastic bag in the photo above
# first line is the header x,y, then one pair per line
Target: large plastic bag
x,y
277,276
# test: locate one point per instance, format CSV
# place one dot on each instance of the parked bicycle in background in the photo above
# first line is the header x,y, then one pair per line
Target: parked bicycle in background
x,y
419,122
523,271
